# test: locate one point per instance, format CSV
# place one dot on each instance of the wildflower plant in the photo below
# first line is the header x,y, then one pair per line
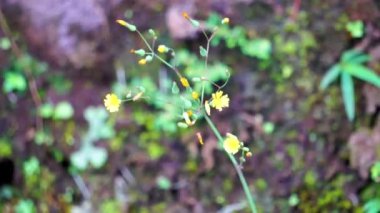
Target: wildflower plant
x,y
192,102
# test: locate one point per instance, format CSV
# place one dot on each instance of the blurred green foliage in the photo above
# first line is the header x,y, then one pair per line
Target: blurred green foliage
x,y
14,81
375,171
62,111
5,43
5,147
356,28
237,36
350,65
88,154
25,206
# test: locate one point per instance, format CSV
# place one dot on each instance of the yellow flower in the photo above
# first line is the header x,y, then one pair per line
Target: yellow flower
x,y
219,101
226,21
112,102
142,61
162,49
231,144
195,95
184,82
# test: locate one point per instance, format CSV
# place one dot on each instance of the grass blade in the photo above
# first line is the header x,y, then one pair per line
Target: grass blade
x,y
363,73
348,95
330,76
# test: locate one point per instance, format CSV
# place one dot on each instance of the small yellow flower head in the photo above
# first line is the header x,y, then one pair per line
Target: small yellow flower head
x,y
219,101
195,23
195,95
189,113
112,102
184,82
162,49
142,61
231,144
123,23
226,20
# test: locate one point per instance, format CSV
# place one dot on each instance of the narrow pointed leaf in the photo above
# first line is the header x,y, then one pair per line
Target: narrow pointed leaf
x,y
348,95
331,75
349,55
360,59
363,73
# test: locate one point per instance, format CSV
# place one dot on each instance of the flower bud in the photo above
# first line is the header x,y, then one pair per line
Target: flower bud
x,y
226,20
131,27
139,52
195,95
148,58
162,49
248,154
184,82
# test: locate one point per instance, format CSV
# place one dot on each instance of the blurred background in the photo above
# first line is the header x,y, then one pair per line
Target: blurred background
x,y
60,151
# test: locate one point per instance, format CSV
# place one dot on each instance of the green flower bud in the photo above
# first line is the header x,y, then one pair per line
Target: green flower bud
x,y
140,52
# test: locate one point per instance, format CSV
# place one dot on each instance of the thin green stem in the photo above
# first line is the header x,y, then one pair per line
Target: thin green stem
x,y
236,166
158,57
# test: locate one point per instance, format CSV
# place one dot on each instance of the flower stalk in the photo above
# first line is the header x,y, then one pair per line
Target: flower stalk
x,y
236,165
218,101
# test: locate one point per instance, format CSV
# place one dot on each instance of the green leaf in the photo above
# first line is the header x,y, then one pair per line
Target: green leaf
x,y
163,183
79,160
202,51
375,171
46,110
330,76
175,89
5,43
186,102
349,55
155,150
31,167
14,81
25,206
43,137
268,128
260,48
360,59
63,111
356,28
348,95
363,73
372,206
98,157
